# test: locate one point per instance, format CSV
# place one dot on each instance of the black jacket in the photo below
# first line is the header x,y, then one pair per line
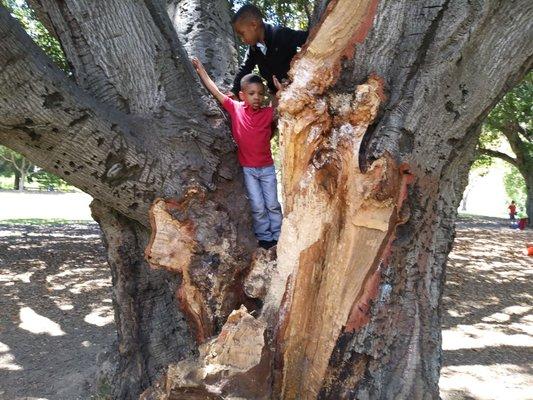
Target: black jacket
x,y
281,44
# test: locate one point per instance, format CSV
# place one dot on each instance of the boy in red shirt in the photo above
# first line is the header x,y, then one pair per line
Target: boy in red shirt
x,y
512,210
251,127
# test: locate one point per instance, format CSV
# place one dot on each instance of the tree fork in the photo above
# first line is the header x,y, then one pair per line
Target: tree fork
x,y
332,210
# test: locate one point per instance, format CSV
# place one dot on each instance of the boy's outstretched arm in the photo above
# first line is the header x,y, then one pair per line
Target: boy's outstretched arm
x,y
207,81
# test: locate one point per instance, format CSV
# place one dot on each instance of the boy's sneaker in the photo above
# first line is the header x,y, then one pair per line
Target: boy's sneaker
x,y
267,244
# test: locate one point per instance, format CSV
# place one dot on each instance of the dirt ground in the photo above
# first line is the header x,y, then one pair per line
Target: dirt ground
x,y
487,315
56,313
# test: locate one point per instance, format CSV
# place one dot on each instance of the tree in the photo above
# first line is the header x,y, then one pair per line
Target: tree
x,y
515,188
511,120
379,129
18,164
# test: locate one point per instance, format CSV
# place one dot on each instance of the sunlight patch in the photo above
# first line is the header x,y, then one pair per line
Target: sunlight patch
x,y
484,382
100,316
481,335
7,360
35,323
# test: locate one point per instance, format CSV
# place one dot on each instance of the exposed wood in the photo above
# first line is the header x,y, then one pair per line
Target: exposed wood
x,y
259,278
204,252
172,246
235,365
336,228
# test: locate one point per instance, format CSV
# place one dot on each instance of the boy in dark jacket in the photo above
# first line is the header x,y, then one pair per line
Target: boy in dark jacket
x,y
271,48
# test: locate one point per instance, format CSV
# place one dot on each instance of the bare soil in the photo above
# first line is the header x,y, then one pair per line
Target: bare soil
x,y
487,314
56,313
55,310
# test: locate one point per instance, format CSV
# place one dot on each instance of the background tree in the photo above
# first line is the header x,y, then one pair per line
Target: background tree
x,y
384,93
17,165
515,188
511,120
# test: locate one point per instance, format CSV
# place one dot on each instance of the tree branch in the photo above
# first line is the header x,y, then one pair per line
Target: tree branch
x,y
49,120
204,29
500,155
138,67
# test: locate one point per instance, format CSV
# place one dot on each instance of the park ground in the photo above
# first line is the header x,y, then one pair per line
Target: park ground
x,y
56,312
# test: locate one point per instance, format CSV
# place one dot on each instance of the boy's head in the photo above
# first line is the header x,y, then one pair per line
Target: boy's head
x,y
248,24
252,90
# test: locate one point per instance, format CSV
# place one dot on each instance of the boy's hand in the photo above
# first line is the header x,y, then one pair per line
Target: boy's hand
x,y
197,64
206,80
277,84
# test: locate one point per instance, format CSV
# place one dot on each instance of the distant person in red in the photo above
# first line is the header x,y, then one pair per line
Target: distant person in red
x,y
512,210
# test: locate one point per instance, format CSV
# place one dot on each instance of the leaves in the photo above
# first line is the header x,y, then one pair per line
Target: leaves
x,y
511,120
40,35
294,14
515,187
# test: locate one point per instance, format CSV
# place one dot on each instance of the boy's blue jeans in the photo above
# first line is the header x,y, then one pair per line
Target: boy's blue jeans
x,y
261,185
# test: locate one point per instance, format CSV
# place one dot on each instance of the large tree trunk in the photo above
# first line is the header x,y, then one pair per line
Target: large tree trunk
x,y
529,198
16,181
378,131
21,181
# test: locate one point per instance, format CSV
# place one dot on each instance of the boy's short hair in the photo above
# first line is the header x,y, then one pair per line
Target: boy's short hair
x,y
248,11
251,78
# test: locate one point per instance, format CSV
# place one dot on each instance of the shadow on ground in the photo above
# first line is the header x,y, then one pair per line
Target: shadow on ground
x,y
487,320
56,312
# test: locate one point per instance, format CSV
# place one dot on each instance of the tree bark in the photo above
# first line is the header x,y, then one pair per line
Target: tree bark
x,y
16,181
22,179
384,94
529,198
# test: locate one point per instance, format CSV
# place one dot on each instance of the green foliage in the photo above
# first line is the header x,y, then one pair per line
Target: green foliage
x,y
515,187
482,164
516,106
40,35
514,112
48,181
294,14
13,162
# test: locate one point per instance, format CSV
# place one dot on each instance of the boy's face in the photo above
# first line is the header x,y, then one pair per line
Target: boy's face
x,y
248,30
252,94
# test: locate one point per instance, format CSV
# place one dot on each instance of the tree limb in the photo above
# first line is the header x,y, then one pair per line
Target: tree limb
x,y
204,29
124,53
48,120
500,155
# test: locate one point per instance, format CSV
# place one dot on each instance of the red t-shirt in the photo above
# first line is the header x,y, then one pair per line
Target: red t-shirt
x,y
512,209
252,130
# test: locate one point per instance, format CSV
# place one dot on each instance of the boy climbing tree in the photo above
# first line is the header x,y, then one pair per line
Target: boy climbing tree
x,y
251,126
270,47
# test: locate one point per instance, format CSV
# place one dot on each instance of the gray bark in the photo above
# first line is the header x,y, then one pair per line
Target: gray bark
x,y
132,128
446,65
151,331
529,199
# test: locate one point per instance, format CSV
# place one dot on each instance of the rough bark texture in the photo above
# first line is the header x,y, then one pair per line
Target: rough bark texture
x,y
134,127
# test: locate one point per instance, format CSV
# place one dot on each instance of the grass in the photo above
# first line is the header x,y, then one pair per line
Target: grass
x,y
42,221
